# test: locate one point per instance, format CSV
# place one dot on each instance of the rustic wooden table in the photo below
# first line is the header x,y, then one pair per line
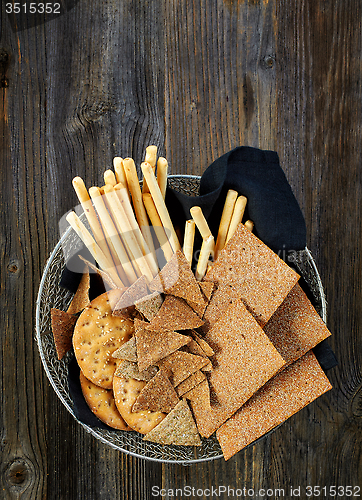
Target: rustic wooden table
x,y
196,78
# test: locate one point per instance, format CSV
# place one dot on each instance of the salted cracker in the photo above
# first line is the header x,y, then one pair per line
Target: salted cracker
x,y
283,396
259,275
177,428
244,361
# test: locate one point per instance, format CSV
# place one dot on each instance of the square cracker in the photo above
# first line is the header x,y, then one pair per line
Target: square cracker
x,y
260,276
296,327
283,396
177,428
244,361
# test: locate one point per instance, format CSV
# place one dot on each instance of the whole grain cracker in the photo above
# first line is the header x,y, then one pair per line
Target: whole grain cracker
x,y
221,299
157,395
106,277
136,291
176,278
190,382
202,343
97,334
244,361
81,296
179,365
126,391
176,314
101,403
62,327
128,369
149,305
296,327
177,428
153,345
127,351
280,398
259,275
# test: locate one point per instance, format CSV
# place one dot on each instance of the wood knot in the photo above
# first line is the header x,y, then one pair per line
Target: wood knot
x,y
18,474
268,62
13,267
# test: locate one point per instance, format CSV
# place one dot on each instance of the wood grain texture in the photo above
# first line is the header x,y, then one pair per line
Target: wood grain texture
x,y
196,78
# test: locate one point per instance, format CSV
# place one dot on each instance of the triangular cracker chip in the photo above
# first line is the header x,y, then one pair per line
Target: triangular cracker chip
x,y
127,351
177,428
149,305
157,395
179,365
127,369
135,292
103,274
153,345
190,382
62,328
262,278
176,278
81,296
176,314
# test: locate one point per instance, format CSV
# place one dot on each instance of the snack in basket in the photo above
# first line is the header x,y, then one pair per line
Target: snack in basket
x,y
185,352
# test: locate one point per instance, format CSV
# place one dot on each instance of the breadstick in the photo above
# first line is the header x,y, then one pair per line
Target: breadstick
x,y
160,205
237,216
162,167
249,224
135,190
120,173
96,228
93,248
207,249
108,224
125,229
157,225
110,178
189,237
225,220
150,157
122,194
200,221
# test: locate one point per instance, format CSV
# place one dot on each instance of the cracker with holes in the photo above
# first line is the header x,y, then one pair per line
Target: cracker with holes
x,y
126,391
97,334
101,403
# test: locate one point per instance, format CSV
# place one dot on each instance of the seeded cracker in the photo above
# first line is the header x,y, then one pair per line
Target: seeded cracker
x,y
97,334
176,314
62,328
157,395
256,272
283,396
176,278
127,369
127,351
295,327
178,428
101,403
81,296
244,361
150,305
179,365
153,345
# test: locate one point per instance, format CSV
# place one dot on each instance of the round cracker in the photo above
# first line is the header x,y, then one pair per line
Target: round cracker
x,y
97,334
126,391
101,403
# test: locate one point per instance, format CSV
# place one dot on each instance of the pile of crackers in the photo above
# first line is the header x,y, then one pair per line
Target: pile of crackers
x,y
177,355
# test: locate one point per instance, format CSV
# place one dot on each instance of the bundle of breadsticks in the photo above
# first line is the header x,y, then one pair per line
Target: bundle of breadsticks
x,y
130,225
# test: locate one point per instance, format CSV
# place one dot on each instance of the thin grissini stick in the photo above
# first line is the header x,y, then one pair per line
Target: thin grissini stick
x,y
86,203
136,194
162,167
207,249
237,217
189,238
226,217
120,173
93,248
151,158
112,234
160,205
127,235
249,224
200,221
123,198
110,178
157,225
